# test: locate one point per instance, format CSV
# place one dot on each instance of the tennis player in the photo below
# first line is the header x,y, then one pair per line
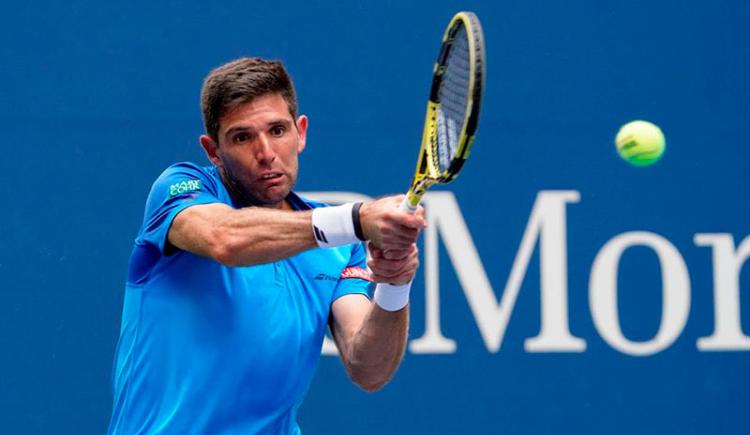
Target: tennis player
x,y
234,277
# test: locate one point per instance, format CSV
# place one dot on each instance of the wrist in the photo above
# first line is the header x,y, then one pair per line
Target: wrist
x,y
358,230
337,226
392,297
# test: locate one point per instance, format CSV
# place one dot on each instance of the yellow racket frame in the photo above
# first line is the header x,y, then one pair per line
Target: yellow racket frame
x,y
428,170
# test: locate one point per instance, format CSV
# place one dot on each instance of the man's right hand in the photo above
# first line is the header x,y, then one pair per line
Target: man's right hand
x,y
389,228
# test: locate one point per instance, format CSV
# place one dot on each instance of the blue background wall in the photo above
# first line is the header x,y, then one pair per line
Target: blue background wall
x,y
97,98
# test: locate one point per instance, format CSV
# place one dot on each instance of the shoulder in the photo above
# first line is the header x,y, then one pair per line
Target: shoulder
x,y
183,177
187,169
182,180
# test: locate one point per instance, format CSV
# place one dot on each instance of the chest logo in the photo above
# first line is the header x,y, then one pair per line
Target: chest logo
x,y
325,277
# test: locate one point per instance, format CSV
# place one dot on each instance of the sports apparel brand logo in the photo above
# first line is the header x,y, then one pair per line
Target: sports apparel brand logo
x,y
326,277
356,272
320,236
184,187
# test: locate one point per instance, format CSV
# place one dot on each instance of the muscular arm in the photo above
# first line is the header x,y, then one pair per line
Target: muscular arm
x,y
370,339
256,235
242,237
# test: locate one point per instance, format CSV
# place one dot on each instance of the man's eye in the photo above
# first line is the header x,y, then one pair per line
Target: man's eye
x,y
278,130
240,137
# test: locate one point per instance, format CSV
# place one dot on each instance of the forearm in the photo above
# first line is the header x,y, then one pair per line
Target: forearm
x,y
378,346
257,235
242,237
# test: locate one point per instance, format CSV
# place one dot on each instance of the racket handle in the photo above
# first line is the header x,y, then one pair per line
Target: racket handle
x,y
405,206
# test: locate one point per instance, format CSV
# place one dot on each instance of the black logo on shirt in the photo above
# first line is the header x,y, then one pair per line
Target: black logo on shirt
x,y
326,277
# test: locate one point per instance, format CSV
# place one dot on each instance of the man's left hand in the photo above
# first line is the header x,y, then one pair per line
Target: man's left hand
x,y
395,266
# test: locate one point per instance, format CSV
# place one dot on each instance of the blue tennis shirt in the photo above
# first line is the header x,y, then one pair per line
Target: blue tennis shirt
x,y
210,349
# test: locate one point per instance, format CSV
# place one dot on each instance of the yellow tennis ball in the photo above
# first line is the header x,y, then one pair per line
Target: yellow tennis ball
x,y
640,143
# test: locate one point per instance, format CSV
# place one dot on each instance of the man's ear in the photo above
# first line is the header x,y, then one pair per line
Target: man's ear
x,y
210,147
302,132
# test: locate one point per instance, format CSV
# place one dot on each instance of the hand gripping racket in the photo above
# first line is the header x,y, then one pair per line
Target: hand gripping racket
x,y
453,107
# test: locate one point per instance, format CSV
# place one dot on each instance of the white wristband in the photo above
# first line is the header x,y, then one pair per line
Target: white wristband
x,y
333,226
392,297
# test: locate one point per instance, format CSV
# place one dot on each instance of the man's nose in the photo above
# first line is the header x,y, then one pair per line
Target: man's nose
x,y
265,153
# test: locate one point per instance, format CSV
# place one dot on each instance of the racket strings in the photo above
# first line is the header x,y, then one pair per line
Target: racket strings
x,y
454,94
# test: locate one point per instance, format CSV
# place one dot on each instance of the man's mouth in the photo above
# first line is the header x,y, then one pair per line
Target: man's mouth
x,y
271,179
271,176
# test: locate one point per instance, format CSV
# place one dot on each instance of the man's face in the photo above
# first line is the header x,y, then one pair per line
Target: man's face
x,y
257,150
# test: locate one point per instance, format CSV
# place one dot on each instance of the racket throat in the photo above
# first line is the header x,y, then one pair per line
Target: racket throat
x,y
417,190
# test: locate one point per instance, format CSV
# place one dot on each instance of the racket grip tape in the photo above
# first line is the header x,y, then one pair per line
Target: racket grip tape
x,y
407,207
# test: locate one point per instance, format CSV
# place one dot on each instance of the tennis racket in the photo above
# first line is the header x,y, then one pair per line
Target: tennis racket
x,y
453,107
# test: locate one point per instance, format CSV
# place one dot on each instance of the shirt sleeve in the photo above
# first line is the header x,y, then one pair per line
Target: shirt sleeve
x,y
180,186
355,278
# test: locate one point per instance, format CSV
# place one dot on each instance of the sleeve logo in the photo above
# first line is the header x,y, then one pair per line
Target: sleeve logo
x,y
184,187
356,272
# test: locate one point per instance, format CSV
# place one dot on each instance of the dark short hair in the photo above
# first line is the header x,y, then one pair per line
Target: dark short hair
x,y
241,81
